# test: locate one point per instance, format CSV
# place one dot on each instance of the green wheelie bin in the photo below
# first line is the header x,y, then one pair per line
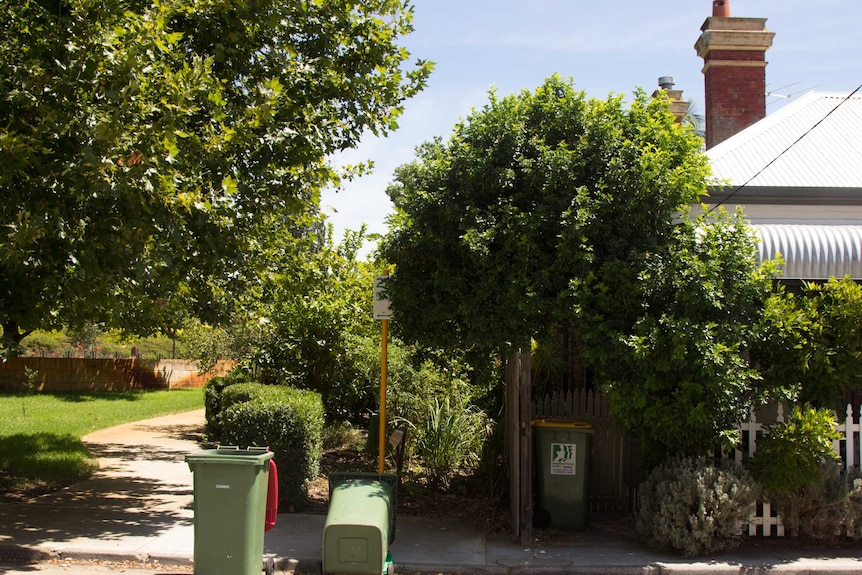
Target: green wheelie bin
x,y
360,524
562,456
230,501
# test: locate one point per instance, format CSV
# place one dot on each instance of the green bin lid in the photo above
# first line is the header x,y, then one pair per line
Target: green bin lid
x,y
565,423
231,455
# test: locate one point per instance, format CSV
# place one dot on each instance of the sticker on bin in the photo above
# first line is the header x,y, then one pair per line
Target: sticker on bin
x,y
222,486
563,458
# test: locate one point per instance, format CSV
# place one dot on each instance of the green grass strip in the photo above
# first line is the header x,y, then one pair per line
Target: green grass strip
x,y
40,434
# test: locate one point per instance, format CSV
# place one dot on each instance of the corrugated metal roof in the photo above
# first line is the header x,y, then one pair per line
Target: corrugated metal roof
x,y
813,252
828,156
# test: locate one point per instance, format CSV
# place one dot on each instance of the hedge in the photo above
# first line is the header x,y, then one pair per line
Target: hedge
x,y
213,401
287,420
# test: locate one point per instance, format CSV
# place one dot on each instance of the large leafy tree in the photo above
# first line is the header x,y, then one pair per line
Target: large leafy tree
x,y
312,325
547,210
681,377
531,192
158,156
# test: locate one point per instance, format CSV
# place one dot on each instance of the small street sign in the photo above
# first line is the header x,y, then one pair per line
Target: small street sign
x,y
381,298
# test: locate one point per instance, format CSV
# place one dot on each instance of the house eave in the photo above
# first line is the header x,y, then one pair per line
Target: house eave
x,y
769,195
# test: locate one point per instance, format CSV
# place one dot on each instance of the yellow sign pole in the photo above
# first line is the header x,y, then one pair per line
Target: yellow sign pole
x,y
381,446
381,311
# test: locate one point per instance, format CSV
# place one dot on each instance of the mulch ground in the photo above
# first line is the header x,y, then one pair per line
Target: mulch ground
x,y
463,499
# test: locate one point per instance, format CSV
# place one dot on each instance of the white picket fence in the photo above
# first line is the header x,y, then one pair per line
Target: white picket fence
x,y
613,475
765,521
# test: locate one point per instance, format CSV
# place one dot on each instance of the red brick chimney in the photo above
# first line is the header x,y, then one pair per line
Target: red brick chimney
x,y
734,68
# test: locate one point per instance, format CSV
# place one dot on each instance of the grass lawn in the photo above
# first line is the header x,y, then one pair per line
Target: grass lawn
x,y
40,434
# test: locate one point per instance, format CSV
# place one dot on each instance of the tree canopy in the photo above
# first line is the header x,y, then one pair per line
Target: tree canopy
x,y
160,156
531,192
546,211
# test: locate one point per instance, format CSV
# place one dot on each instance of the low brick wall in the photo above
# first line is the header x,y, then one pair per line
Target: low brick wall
x,y
79,374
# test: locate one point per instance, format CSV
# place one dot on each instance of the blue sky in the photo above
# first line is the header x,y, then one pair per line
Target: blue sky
x,y
606,46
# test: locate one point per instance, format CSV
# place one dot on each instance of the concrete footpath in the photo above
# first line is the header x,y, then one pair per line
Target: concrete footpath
x,y
135,516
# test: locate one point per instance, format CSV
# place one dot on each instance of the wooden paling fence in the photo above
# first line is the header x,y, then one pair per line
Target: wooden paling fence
x,y
86,374
613,476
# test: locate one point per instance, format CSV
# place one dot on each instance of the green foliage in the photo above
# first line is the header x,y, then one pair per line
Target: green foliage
x,y
160,158
213,404
48,342
207,345
342,435
304,330
547,211
531,192
548,366
290,422
155,345
59,343
791,455
449,440
811,346
84,335
694,506
318,334
212,407
243,392
415,378
677,369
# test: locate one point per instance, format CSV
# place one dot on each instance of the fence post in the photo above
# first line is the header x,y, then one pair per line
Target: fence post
x,y
526,447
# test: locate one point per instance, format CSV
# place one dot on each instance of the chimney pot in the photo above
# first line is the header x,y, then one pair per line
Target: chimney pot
x,y
721,8
665,82
676,104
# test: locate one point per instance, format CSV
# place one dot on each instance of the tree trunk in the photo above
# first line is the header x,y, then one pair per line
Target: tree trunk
x,y
11,340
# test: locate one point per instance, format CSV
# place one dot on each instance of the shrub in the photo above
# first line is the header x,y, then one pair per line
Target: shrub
x,y
213,401
449,439
796,465
830,508
694,506
243,392
48,342
791,454
289,421
342,434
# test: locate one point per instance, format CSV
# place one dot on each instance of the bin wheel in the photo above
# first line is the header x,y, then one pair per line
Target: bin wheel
x,y
269,569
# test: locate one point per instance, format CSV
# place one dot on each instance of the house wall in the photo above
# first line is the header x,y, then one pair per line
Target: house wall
x,y
80,374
